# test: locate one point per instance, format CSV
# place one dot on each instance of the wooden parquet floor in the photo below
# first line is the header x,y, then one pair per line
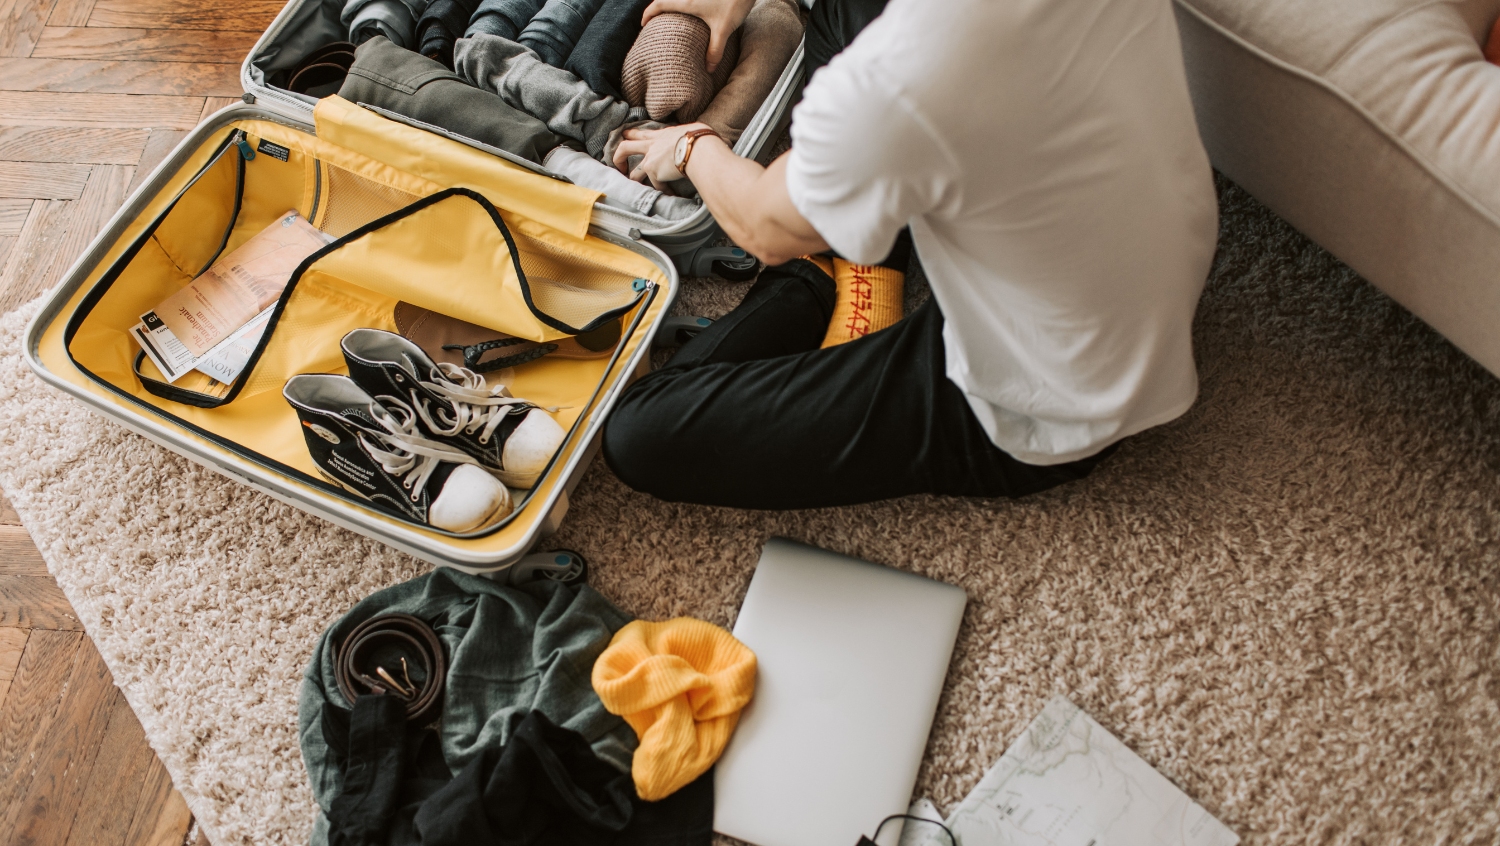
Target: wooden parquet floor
x,y
93,94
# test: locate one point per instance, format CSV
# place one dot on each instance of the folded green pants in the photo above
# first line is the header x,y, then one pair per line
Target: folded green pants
x,y
419,88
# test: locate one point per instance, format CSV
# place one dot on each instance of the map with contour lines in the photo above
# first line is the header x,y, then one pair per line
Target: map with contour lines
x,y
1068,782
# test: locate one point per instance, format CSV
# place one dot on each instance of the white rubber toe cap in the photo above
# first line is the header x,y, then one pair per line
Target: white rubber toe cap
x,y
471,498
529,448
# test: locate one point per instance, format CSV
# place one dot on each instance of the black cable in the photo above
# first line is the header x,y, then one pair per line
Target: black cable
x,y
946,829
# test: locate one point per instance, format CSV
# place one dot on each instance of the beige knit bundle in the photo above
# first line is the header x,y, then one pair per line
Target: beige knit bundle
x,y
666,69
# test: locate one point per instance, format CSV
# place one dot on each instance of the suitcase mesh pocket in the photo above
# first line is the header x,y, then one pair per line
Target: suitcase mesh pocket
x,y
350,201
590,289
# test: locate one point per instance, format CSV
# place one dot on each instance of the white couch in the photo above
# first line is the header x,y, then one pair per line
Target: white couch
x,y
1373,126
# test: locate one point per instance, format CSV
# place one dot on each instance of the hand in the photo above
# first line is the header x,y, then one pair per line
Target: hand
x,y
659,148
722,16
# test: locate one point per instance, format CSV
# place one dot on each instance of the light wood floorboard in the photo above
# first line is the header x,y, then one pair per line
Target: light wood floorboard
x,y
93,95
101,145
198,46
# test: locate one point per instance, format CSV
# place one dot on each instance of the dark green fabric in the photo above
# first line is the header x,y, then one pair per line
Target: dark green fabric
x,y
420,88
510,650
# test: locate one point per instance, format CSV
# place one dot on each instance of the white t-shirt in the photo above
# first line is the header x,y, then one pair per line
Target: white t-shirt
x,y
1044,154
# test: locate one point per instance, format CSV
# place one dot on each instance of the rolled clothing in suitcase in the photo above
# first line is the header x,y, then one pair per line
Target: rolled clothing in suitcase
x,y
389,77
305,25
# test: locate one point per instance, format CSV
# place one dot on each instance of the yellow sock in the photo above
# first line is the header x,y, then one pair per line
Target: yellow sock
x,y
869,299
824,263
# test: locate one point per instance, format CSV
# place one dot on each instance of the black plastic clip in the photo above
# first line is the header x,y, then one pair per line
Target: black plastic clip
x,y
473,353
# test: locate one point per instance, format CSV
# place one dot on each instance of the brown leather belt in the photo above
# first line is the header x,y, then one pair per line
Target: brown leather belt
x,y
322,72
395,654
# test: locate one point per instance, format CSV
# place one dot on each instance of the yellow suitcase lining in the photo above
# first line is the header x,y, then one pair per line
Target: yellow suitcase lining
x,y
400,237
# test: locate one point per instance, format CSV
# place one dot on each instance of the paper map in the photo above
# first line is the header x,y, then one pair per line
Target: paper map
x,y
238,286
1068,782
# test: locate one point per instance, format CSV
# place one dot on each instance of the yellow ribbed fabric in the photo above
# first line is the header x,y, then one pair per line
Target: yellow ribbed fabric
x,y
681,685
869,299
824,263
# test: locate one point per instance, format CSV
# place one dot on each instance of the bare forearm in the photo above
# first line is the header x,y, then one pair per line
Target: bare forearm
x,y
751,203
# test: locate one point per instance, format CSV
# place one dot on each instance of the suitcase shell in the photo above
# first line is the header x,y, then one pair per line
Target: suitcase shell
x,y
488,554
305,25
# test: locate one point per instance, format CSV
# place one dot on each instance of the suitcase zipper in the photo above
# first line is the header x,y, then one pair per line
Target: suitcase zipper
x,y
312,213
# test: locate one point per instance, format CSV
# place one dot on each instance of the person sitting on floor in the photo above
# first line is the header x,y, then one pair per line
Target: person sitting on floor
x,y
1045,159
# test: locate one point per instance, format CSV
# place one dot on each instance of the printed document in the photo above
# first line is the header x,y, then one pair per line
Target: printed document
x,y
215,322
224,362
1068,782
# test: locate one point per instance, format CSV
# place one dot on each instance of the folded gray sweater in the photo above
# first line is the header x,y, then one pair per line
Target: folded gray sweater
x,y
619,190
558,98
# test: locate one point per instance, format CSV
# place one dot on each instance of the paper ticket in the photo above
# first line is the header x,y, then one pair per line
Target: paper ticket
x,y
238,286
223,363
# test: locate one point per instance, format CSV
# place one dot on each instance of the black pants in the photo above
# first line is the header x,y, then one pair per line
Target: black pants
x,y
831,26
751,414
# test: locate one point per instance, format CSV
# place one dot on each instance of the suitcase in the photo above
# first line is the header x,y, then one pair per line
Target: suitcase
x,y
348,168
305,25
361,176
420,219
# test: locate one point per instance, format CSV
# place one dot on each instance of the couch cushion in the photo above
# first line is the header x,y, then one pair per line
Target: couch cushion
x,y
1373,126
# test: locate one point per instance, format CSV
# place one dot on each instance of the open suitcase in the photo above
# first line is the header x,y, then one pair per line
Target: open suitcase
x,y
436,222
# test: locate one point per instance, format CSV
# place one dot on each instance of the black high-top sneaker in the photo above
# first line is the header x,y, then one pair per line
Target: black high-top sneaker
x,y
511,437
373,448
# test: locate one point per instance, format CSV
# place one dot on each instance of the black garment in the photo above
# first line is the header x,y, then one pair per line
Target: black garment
x,y
752,414
440,27
545,787
599,55
389,768
420,88
832,25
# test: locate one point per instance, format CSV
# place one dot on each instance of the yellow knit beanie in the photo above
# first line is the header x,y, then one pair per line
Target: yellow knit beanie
x,y
681,685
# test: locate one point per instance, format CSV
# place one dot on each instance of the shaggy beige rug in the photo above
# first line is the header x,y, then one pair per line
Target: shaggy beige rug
x,y
1287,601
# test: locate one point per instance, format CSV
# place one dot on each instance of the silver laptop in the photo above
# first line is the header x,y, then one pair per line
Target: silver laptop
x,y
852,657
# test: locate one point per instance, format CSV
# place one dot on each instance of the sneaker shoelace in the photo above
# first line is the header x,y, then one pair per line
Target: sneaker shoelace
x,y
410,456
473,406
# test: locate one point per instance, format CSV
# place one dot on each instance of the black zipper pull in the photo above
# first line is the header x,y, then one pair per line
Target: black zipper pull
x,y
246,151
